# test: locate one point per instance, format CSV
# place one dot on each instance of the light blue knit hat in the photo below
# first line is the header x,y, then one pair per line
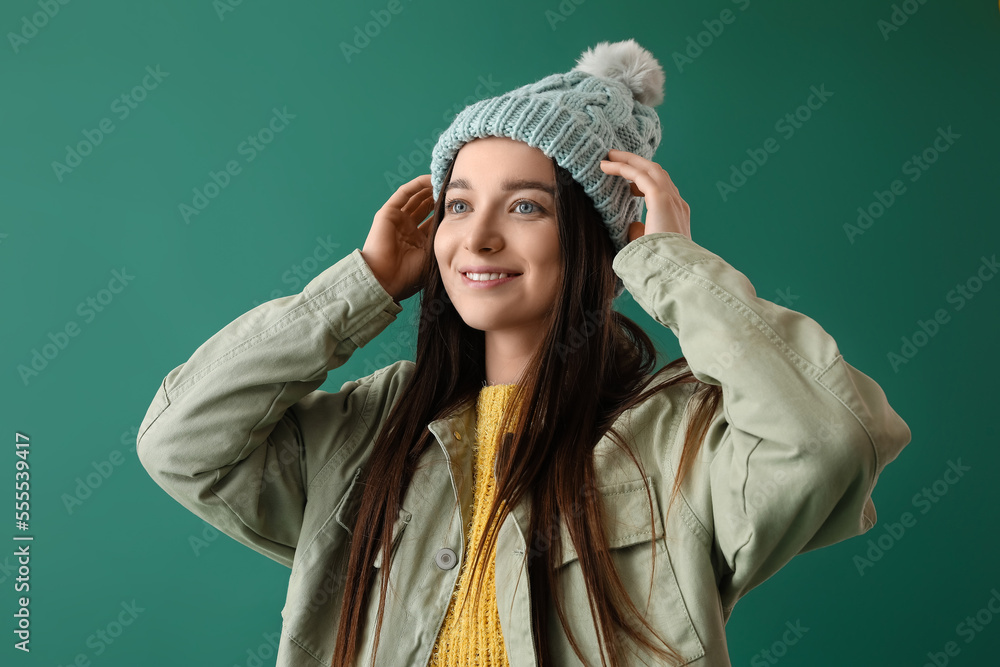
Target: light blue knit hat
x,y
606,101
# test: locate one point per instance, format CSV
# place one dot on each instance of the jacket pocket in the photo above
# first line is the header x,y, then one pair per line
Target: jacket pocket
x,y
627,520
346,514
632,536
312,607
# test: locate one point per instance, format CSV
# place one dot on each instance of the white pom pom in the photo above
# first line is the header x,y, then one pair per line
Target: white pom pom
x,y
629,63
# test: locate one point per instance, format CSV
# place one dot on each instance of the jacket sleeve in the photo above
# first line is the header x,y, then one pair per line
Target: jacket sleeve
x,y
789,461
239,432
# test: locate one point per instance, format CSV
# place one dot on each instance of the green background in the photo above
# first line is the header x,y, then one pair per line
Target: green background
x,y
359,119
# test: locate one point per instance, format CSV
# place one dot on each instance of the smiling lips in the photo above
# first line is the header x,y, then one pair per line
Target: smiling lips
x,y
486,280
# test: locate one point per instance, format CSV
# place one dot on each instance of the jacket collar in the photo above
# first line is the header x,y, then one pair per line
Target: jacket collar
x,y
455,433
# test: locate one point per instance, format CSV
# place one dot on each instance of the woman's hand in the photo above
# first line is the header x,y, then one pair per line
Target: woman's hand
x,y
665,210
398,247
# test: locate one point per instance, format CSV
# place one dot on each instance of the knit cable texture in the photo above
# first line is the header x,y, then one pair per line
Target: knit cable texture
x,y
472,635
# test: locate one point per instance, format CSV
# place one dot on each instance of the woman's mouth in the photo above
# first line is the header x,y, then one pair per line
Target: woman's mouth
x,y
487,280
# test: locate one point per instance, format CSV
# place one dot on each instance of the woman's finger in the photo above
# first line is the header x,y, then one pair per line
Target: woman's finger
x,y
407,191
625,155
419,204
408,225
643,184
631,165
666,209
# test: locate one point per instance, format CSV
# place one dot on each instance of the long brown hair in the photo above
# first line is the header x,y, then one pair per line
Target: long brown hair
x,y
593,364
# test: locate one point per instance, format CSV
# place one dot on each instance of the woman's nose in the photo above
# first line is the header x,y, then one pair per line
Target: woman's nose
x,y
484,233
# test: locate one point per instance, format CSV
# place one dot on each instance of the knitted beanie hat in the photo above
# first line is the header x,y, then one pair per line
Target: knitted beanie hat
x,y
606,101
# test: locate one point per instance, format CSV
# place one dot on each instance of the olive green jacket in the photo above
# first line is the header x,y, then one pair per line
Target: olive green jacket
x,y
241,435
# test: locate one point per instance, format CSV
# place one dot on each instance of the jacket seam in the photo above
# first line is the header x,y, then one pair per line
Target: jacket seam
x,y
328,295
727,298
368,277
743,498
309,306
357,277
166,404
270,408
299,644
686,612
616,541
698,528
806,367
687,512
532,640
241,458
871,440
336,458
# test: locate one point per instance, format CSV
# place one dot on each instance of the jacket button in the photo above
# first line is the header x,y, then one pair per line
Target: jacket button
x,y
446,559
458,436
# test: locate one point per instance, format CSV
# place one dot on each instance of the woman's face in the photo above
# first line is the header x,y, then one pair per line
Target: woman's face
x,y
500,217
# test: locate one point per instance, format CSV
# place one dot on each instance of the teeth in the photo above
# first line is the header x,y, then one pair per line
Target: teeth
x,y
487,276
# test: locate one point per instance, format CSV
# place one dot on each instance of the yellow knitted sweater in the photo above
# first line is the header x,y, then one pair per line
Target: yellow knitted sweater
x,y
472,636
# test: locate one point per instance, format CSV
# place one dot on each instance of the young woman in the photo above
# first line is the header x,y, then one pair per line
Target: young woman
x,y
528,491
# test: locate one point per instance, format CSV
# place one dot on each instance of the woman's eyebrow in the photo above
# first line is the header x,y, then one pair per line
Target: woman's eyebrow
x,y
510,184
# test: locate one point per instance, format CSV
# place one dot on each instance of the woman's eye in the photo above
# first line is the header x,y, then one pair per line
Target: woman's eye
x,y
535,207
449,207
